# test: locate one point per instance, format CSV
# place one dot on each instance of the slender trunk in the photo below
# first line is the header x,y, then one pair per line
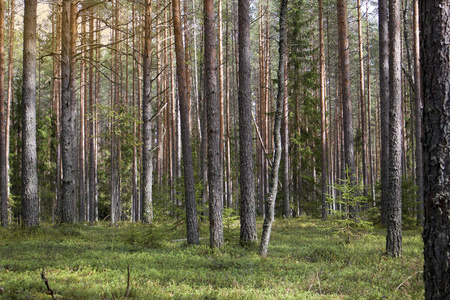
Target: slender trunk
x,y
323,112
362,96
418,113
384,105
270,201
147,156
189,184
394,222
215,174
3,153
92,159
248,210
82,163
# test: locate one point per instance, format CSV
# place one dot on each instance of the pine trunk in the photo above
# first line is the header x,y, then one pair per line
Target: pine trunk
x,y
215,174
435,63
394,221
30,204
248,209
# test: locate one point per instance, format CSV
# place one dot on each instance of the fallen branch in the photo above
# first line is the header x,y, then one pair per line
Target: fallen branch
x,y
407,279
49,290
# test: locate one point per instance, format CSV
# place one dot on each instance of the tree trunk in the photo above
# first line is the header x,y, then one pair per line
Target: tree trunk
x,y
30,205
270,201
189,184
394,222
92,157
147,156
215,174
384,105
323,112
418,115
248,209
435,63
346,93
3,153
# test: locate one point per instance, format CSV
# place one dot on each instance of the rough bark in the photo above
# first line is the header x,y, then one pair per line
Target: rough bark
x,y
394,221
30,205
67,134
273,180
147,156
92,157
346,92
435,63
384,105
418,115
215,174
189,184
248,208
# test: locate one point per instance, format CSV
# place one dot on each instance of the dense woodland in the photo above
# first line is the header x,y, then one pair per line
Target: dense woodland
x,y
188,110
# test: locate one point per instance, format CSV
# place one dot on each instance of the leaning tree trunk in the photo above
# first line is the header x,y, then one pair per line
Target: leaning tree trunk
x,y
273,187
189,184
248,208
435,62
30,204
215,174
394,221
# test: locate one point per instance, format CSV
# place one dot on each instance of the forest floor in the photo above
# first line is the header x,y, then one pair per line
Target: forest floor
x,y
307,259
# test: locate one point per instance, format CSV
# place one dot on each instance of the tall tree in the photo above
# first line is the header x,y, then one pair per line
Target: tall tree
x,y
147,156
30,204
323,119
394,222
418,113
248,209
346,91
67,126
273,180
189,184
3,154
215,174
435,62
384,104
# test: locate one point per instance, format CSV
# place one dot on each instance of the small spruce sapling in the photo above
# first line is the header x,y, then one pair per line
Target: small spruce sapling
x,y
351,195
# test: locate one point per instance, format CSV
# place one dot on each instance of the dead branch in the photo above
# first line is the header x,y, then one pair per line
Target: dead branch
x,y
49,290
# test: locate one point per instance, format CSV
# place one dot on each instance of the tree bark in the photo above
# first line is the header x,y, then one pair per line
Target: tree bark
x,y
323,119
248,209
147,156
435,63
10,86
384,105
189,184
346,93
215,174
273,180
418,115
394,222
3,153
30,204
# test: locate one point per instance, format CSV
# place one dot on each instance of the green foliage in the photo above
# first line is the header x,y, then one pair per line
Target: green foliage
x,y
90,262
352,199
230,225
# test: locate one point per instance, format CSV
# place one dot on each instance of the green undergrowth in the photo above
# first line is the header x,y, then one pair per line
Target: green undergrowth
x,y
306,261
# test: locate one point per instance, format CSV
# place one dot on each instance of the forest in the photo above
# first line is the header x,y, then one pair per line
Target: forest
x,y
266,133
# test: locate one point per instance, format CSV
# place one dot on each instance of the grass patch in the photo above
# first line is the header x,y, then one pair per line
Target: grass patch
x,y
305,261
